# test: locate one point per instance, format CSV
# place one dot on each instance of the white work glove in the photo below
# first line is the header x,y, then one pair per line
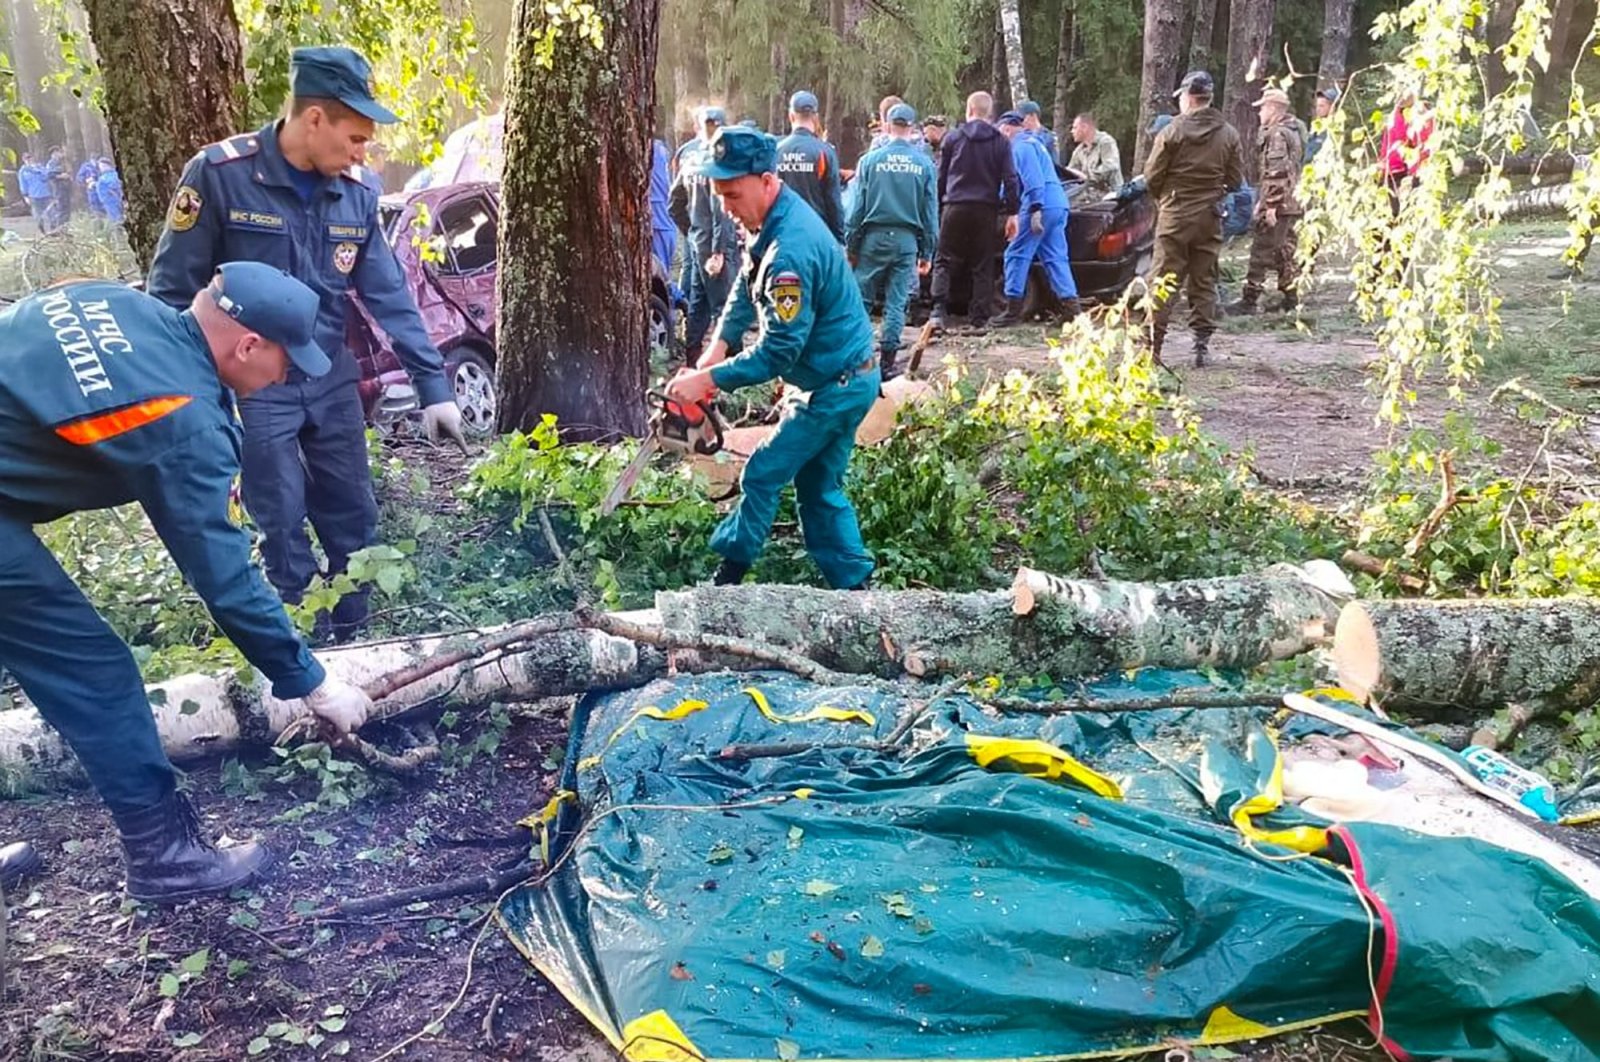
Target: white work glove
x,y
339,704
441,421
1036,222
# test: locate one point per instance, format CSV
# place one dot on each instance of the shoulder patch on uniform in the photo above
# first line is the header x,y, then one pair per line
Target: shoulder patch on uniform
x,y
787,293
185,210
235,147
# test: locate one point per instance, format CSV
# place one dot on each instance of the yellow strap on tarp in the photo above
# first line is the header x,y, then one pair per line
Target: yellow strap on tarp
x,y
541,821
1309,839
1038,759
1224,1026
822,713
649,711
655,1037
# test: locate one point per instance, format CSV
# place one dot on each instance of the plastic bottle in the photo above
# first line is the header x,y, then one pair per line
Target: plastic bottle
x,y
1533,791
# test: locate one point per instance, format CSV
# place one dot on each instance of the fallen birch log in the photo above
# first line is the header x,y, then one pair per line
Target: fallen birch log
x,y
1072,627
1060,627
204,715
1470,658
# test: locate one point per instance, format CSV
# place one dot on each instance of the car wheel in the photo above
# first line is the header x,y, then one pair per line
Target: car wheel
x,y
662,334
472,378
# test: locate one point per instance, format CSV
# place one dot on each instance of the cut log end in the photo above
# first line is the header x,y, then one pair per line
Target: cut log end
x,y
1357,660
1022,598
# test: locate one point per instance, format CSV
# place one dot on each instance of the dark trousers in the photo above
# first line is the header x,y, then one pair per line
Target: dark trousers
x,y
1272,250
78,673
707,296
967,246
305,456
1187,250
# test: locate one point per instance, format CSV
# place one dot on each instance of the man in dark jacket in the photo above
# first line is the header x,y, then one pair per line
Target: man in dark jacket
x,y
977,180
1194,162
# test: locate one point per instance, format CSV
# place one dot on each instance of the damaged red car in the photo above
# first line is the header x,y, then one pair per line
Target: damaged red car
x,y
446,241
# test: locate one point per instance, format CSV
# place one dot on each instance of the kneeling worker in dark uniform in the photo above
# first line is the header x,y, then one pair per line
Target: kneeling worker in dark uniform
x,y
816,336
108,396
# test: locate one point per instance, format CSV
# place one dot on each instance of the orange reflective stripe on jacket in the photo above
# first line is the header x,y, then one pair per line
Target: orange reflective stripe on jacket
x,y
103,426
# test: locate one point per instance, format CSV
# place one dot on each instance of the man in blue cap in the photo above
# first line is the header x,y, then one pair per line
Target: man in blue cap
x,y
1039,228
807,163
893,227
108,396
292,195
1034,126
712,243
816,336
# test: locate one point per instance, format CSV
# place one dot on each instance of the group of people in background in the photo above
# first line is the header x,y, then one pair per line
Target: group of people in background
x,y
928,199
53,189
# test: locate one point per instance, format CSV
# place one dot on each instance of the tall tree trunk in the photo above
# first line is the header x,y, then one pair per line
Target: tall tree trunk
x,y
1163,39
777,104
1063,105
172,71
1567,32
31,61
1249,33
1011,28
1205,22
1336,19
575,237
999,80
1497,30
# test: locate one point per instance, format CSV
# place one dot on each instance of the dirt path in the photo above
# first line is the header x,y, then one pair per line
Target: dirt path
x,y
1298,404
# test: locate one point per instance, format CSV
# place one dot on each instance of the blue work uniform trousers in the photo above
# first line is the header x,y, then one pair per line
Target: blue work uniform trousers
x,y
664,243
1049,247
707,296
305,455
78,673
887,265
811,448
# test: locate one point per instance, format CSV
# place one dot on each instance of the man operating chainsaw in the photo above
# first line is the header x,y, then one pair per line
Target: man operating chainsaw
x,y
814,333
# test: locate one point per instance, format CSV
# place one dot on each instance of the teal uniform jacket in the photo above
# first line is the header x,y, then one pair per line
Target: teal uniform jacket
x,y
896,187
815,335
894,223
107,396
807,163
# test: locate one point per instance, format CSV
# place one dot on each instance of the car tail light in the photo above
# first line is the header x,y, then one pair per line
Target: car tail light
x,y
1112,244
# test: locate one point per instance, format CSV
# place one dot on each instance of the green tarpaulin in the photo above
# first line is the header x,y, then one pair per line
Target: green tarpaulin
x,y
1017,887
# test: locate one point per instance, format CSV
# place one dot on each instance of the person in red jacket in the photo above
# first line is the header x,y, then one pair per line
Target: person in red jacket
x,y
1404,147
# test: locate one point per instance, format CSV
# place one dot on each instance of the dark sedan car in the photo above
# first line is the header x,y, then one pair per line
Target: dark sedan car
x,y
446,241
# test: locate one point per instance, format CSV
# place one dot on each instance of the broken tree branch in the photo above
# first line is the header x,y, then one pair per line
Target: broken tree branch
x,y
1447,500
1366,562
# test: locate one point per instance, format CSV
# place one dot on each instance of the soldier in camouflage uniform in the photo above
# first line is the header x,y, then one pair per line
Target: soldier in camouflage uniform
x,y
1194,162
1279,151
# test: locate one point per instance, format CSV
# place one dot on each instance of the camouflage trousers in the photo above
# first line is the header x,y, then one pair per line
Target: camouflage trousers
x,y
1272,249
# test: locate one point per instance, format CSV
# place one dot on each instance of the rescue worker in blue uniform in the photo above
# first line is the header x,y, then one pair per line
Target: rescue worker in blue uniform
x,y
109,396
1039,230
292,196
34,182
1034,127
809,165
663,233
894,226
108,192
713,241
815,335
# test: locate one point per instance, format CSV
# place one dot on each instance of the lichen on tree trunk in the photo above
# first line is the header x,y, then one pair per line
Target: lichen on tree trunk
x,y
1085,628
1249,34
174,82
574,270
1472,657
1163,39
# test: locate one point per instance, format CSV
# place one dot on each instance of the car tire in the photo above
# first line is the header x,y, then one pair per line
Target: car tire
x,y
472,379
660,326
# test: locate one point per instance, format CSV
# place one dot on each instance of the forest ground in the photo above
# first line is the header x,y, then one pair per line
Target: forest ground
x,y
89,976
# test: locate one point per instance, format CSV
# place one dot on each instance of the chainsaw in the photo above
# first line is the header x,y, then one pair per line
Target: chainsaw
x,y
676,427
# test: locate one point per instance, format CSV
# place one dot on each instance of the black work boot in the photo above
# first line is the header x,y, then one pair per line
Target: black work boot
x,y
729,573
936,318
1069,310
886,364
17,861
169,860
1246,306
1288,302
1202,349
1010,317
